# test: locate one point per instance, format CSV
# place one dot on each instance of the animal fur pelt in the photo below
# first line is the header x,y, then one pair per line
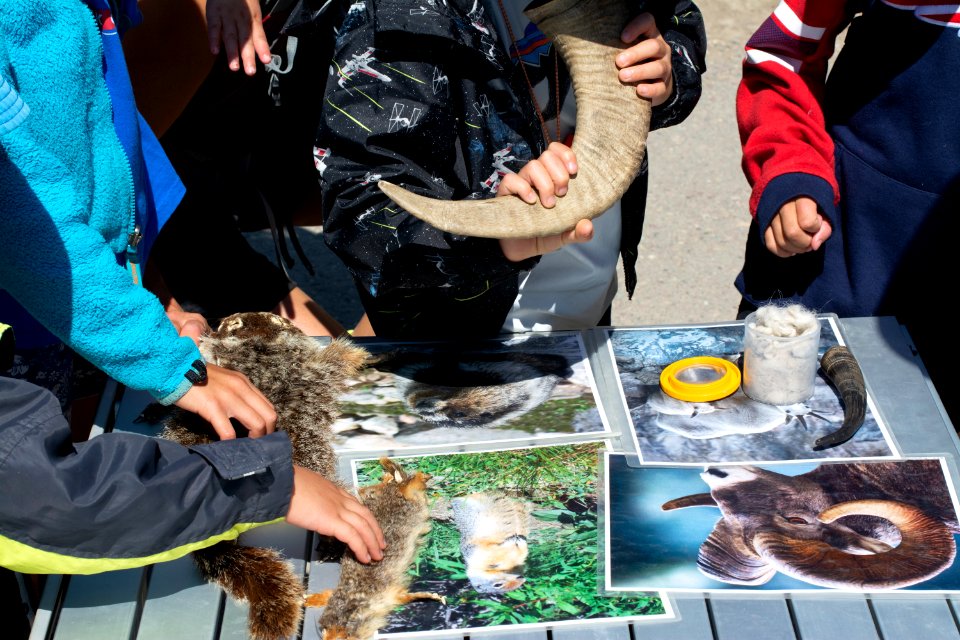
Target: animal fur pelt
x,y
302,379
366,593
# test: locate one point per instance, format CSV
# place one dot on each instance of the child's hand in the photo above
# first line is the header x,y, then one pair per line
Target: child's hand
x,y
517,249
239,24
319,505
229,394
647,63
797,228
192,325
547,176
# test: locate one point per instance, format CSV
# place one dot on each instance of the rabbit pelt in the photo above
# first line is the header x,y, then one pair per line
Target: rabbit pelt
x,y
366,593
303,380
299,376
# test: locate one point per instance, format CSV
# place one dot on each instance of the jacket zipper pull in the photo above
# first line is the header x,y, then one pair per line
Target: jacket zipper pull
x,y
133,257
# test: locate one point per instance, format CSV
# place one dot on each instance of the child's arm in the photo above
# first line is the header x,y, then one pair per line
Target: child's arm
x,y
787,152
224,394
319,505
238,23
411,136
143,496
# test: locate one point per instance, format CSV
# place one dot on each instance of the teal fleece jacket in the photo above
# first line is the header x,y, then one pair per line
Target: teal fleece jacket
x,y
68,201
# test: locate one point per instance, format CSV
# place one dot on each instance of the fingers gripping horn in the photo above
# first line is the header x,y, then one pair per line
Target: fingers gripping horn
x,y
610,141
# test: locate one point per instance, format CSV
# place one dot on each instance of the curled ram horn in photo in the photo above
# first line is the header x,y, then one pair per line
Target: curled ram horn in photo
x,y
610,142
869,526
843,372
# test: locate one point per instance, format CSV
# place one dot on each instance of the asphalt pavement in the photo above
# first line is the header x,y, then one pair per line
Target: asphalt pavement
x,y
697,216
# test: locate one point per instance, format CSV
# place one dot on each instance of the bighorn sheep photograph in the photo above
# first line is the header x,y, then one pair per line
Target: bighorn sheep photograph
x,y
735,428
866,526
487,391
511,546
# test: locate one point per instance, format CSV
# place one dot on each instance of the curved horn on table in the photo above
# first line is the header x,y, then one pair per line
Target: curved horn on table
x,y
842,369
610,141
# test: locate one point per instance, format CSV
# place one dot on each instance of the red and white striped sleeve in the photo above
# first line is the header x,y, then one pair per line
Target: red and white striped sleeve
x,y
779,100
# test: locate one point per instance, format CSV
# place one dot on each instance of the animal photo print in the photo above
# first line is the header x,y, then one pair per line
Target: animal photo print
x,y
869,526
512,543
735,428
440,394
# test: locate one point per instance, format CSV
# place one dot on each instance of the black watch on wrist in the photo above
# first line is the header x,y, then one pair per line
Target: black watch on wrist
x,y
198,374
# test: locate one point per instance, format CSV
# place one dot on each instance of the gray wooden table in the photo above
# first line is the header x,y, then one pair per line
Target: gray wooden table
x,y
169,600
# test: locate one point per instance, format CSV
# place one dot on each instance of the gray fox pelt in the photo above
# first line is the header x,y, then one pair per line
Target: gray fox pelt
x,y
493,540
303,380
366,593
458,389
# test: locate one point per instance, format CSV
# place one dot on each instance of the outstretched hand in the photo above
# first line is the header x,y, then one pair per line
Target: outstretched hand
x,y
797,228
322,506
238,23
229,394
646,63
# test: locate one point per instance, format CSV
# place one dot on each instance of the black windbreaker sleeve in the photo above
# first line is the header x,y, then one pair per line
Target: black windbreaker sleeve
x,y
682,27
417,100
122,500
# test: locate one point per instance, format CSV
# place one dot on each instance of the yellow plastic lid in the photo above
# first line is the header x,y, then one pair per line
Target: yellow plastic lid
x,y
700,379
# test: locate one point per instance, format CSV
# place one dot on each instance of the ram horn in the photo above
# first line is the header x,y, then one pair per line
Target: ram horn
x,y
844,373
695,500
610,141
926,548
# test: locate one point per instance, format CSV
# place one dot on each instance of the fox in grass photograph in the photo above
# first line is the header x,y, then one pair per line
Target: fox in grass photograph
x,y
512,541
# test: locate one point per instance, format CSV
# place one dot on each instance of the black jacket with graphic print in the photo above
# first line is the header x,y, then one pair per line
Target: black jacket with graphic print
x,y
423,94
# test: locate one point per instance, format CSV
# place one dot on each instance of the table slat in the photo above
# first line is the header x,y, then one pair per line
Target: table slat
x,y
99,606
837,616
179,604
692,623
749,617
293,543
596,631
915,617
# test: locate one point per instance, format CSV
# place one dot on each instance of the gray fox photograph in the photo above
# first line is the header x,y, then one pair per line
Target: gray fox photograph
x,y
490,391
511,542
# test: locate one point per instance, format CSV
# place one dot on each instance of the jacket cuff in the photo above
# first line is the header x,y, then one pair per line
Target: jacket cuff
x,y
687,85
196,374
242,457
788,186
259,460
